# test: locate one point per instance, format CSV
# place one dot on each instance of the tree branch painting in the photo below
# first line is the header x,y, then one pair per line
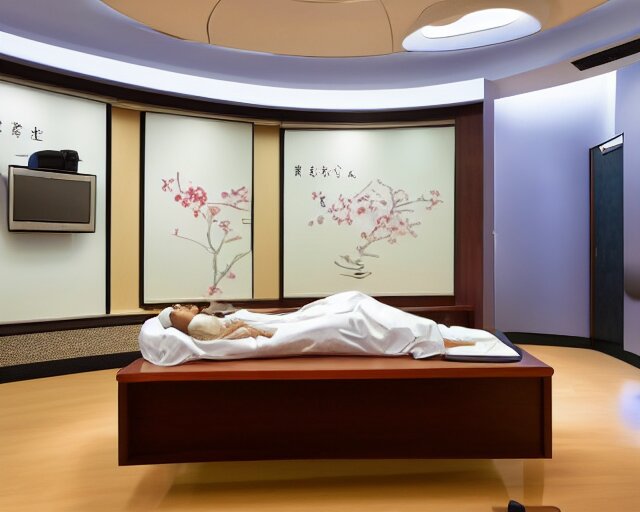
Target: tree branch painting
x,y
381,213
217,228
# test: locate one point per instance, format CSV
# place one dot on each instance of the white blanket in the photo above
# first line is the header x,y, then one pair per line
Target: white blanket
x,y
348,323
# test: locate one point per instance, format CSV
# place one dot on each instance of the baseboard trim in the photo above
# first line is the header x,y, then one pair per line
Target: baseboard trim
x,y
610,349
66,366
530,338
618,352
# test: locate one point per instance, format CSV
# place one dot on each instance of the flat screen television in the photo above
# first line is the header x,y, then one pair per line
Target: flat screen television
x,y
56,201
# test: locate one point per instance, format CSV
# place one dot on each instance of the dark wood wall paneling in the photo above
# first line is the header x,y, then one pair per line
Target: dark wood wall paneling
x,y
469,209
468,286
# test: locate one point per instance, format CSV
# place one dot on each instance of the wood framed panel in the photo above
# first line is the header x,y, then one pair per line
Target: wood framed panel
x,y
197,209
469,208
368,208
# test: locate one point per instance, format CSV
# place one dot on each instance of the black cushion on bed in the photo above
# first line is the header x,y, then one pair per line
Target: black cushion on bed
x,y
484,359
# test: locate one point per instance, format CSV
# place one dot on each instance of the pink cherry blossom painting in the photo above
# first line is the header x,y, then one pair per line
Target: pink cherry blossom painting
x,y
371,210
217,230
385,215
197,209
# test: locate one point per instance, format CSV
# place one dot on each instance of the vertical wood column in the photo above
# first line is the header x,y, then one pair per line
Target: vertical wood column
x,y
125,210
266,211
469,210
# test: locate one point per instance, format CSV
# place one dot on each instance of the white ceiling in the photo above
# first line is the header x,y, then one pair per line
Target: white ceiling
x,y
537,61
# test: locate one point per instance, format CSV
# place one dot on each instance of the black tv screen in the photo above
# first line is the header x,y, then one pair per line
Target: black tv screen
x,y
51,201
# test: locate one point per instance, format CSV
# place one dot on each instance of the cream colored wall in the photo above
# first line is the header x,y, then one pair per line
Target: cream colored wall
x,y
266,212
125,211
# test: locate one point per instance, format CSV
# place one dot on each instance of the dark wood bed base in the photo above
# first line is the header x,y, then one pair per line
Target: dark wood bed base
x,y
333,408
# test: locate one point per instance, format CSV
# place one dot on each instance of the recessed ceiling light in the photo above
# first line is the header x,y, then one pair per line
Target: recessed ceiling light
x,y
477,21
478,28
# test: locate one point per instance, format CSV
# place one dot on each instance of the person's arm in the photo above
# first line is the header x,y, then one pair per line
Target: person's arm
x,y
452,343
239,329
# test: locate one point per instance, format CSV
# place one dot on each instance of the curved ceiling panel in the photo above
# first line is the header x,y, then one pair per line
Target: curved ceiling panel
x,y
323,28
303,27
186,19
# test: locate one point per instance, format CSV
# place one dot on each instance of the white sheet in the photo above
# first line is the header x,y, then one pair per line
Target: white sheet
x,y
348,323
485,343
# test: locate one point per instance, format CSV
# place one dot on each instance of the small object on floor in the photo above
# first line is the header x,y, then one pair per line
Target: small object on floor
x,y
514,506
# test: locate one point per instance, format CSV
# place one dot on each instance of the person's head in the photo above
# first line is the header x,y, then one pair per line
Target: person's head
x,y
178,316
182,315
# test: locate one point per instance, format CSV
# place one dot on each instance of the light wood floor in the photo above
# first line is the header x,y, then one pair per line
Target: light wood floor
x,y
58,452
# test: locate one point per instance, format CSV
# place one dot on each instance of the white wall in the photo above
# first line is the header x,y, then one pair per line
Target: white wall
x,y
542,142
628,121
52,275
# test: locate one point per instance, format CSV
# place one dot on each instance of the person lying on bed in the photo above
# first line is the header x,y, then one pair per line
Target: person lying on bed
x,y
189,320
347,323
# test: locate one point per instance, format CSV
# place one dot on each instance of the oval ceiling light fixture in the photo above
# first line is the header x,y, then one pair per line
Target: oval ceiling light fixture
x,y
479,28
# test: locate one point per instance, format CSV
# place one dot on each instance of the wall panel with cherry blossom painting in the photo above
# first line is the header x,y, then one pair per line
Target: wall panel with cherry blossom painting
x,y
197,233
369,210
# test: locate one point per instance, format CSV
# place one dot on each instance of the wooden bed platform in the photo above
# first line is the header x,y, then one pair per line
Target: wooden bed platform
x,y
333,408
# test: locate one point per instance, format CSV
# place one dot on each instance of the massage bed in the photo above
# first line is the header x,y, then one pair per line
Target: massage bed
x,y
334,407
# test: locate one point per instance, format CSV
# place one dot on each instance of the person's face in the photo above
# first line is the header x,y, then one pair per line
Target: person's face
x,y
192,308
182,315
